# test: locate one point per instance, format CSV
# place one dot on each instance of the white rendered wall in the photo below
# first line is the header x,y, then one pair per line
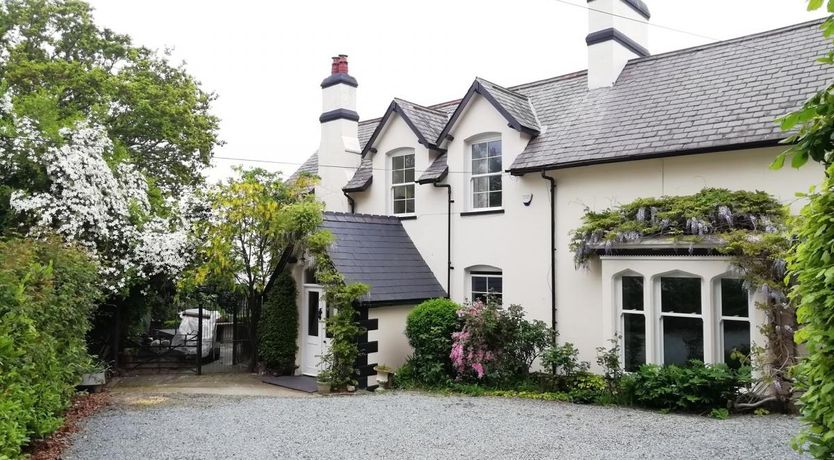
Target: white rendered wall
x,y
338,148
390,336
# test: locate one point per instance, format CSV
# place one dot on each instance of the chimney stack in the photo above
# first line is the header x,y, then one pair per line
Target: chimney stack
x,y
339,150
617,32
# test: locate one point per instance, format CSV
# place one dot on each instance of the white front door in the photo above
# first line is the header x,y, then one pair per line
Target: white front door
x,y
314,343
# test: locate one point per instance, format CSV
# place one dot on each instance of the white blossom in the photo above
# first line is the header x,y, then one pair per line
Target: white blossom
x,y
103,208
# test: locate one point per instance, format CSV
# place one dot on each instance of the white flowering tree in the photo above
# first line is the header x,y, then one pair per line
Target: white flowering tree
x,y
96,200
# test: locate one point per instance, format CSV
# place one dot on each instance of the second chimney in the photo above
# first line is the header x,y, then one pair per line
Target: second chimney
x,y
617,32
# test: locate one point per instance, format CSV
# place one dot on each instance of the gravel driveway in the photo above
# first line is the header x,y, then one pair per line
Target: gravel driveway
x,y
411,425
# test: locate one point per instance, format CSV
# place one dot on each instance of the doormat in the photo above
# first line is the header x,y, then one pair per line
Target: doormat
x,y
295,382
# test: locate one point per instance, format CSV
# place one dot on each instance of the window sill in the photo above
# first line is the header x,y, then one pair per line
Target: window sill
x,y
406,216
482,213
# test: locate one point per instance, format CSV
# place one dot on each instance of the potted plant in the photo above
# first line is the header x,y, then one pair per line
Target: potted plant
x,y
94,377
383,375
323,382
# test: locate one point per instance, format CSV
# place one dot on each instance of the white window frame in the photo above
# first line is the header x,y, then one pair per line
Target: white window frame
x,y
719,314
393,186
485,274
622,312
473,176
660,314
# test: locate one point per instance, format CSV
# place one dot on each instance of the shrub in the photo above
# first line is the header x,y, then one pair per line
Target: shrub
x,y
586,388
47,293
279,326
812,265
496,344
429,329
693,388
563,361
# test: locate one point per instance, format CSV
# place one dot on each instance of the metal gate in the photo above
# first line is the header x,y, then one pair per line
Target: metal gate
x,y
205,341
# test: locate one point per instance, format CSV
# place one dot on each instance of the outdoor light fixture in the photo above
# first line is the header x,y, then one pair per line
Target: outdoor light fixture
x,y
527,198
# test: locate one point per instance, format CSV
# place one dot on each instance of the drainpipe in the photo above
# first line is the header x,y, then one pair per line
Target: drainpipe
x,y
552,249
448,238
351,201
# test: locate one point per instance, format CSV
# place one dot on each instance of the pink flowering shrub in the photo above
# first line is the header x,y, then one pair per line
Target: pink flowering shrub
x,y
496,343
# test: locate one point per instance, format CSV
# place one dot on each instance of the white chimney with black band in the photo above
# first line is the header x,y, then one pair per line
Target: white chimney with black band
x,y
339,150
617,32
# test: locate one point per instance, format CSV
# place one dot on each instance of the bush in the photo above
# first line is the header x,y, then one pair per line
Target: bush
x,y
812,266
47,293
429,329
497,344
694,388
279,326
563,361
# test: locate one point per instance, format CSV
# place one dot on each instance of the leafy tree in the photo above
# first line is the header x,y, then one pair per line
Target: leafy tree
x,y
279,326
61,68
811,264
256,219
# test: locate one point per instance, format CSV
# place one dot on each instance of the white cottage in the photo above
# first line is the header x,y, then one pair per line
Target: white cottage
x,y
479,194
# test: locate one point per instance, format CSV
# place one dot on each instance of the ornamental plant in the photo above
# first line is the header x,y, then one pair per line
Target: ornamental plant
x,y
689,218
496,344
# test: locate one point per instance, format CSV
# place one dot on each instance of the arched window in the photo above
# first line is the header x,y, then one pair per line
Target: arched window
x,y
486,168
402,182
486,282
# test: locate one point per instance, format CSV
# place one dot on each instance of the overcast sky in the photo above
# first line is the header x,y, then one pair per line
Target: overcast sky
x,y
265,59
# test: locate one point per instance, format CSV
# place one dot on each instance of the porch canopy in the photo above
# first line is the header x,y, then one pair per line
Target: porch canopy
x,y
377,251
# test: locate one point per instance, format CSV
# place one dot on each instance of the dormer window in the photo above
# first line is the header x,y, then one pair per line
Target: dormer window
x,y
486,175
402,183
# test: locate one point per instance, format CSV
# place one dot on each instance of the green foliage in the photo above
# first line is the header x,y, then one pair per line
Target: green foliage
x,y
343,329
279,326
812,265
563,361
708,212
256,217
693,388
721,413
429,329
47,293
609,360
62,67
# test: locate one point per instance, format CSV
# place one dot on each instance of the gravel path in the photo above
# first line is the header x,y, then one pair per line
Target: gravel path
x,y
410,425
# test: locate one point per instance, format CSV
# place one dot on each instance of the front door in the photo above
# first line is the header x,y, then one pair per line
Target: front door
x,y
314,344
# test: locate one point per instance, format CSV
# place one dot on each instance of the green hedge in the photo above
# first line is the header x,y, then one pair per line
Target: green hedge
x,y
278,329
47,293
429,329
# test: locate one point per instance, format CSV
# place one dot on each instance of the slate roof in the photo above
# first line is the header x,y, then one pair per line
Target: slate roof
x,y
310,166
708,97
436,171
377,251
363,176
429,122
718,96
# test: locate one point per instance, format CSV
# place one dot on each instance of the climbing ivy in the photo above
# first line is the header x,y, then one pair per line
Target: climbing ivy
x,y
339,362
